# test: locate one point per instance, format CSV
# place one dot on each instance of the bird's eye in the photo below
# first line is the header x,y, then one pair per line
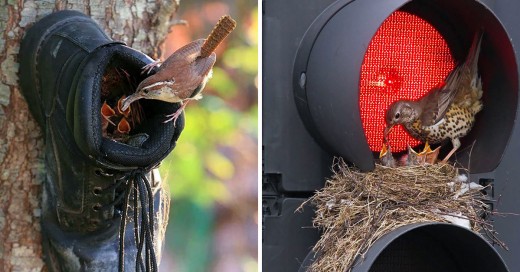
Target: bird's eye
x,y
397,115
145,91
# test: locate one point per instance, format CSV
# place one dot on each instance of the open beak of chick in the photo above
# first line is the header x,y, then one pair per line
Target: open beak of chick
x,y
384,151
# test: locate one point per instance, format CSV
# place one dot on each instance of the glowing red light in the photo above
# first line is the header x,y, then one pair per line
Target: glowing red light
x,y
405,59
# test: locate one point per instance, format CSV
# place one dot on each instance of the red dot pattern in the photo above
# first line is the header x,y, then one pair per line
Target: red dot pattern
x,y
405,59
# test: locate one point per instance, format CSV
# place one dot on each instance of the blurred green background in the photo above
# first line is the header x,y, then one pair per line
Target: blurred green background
x,y
213,171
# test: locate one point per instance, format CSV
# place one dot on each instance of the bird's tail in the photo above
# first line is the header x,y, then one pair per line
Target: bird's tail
x,y
474,51
466,80
472,64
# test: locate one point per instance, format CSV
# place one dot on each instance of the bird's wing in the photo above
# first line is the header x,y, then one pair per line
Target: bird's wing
x,y
194,76
437,102
435,105
184,55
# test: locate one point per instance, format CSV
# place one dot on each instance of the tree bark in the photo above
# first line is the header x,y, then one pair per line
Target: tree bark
x,y
141,24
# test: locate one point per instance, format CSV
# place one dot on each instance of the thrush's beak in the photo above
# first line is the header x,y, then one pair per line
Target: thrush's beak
x,y
387,131
127,101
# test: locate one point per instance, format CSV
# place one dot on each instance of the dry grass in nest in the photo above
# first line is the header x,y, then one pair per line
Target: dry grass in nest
x,y
355,209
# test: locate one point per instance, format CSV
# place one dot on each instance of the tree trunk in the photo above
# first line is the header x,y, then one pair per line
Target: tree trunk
x,y
140,24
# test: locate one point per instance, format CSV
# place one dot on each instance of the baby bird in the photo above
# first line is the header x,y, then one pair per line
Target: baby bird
x,y
445,112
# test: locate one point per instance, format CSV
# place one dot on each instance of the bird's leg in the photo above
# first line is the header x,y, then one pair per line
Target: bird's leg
x,y
173,117
149,67
456,145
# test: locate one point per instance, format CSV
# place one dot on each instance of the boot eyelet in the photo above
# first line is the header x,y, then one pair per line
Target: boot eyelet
x,y
97,190
96,207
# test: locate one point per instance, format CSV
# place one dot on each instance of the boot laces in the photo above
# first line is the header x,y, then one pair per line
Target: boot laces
x,y
137,192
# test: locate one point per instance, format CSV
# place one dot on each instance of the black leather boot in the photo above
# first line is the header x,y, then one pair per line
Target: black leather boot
x,y
97,189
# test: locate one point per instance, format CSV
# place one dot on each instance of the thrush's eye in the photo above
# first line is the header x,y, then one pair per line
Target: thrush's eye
x,y
397,115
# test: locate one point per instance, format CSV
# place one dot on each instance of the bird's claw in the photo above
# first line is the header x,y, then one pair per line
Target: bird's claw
x,y
149,67
173,117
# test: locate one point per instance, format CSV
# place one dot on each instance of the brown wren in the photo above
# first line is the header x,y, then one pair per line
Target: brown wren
x,y
445,112
183,75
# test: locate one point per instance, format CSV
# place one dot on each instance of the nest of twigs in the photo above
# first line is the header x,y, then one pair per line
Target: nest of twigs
x,y
354,209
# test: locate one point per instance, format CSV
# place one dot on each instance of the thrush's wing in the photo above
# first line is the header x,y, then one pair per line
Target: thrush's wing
x,y
437,102
435,105
456,89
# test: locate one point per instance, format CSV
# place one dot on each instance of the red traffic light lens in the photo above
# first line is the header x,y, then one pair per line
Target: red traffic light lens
x,y
405,59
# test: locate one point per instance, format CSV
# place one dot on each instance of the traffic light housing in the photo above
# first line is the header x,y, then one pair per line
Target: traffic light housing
x,y
327,73
313,55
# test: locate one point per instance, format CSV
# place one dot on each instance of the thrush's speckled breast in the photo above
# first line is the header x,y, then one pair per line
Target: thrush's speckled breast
x,y
447,111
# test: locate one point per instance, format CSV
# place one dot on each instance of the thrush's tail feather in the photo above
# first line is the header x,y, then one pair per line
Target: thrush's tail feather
x,y
472,63
476,82
464,79
474,52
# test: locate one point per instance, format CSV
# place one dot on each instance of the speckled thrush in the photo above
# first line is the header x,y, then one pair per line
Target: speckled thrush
x,y
447,111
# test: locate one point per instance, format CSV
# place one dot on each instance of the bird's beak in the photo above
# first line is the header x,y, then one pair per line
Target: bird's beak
x,y
387,131
412,151
427,149
127,101
383,152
